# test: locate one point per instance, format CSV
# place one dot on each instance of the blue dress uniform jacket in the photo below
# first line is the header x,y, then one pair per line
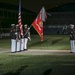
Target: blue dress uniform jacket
x,y
12,34
26,33
72,34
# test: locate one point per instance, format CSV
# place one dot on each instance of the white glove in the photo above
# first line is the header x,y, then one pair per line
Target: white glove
x,y
29,38
16,33
28,28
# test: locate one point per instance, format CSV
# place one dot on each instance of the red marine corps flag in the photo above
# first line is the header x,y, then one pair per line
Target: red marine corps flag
x,y
19,18
38,22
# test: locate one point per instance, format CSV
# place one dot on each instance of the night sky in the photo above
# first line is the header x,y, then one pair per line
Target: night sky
x,y
36,5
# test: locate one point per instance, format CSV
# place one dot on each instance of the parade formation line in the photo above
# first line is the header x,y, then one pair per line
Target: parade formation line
x,y
39,52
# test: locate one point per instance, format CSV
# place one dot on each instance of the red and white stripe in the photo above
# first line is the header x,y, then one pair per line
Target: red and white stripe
x,y
20,23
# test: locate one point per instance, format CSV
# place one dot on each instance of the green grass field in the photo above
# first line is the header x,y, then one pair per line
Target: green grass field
x,y
12,64
51,42
18,64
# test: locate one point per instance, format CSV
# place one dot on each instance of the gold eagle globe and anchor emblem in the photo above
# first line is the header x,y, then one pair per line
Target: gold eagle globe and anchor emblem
x,y
41,23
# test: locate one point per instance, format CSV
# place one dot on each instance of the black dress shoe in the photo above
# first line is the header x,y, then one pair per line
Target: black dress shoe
x,y
18,51
71,52
13,52
22,50
25,49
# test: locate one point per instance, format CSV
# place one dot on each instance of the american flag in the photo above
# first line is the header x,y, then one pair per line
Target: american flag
x,y
19,18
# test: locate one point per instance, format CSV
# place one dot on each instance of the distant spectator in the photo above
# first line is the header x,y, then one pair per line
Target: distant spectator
x,y
72,38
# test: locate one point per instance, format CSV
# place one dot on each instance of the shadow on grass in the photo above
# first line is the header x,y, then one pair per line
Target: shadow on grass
x,y
47,72
1,64
17,72
37,43
55,41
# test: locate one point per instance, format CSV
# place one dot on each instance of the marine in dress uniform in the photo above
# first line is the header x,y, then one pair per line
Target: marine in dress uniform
x,y
13,38
26,36
72,38
22,42
18,38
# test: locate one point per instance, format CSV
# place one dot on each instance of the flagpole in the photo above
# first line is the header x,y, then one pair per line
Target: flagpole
x,y
19,18
42,33
48,14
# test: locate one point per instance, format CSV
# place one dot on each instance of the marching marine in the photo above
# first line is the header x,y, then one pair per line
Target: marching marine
x,y
22,41
26,36
13,38
18,38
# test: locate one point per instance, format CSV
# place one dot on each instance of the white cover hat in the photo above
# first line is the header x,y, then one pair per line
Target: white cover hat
x,y
71,25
